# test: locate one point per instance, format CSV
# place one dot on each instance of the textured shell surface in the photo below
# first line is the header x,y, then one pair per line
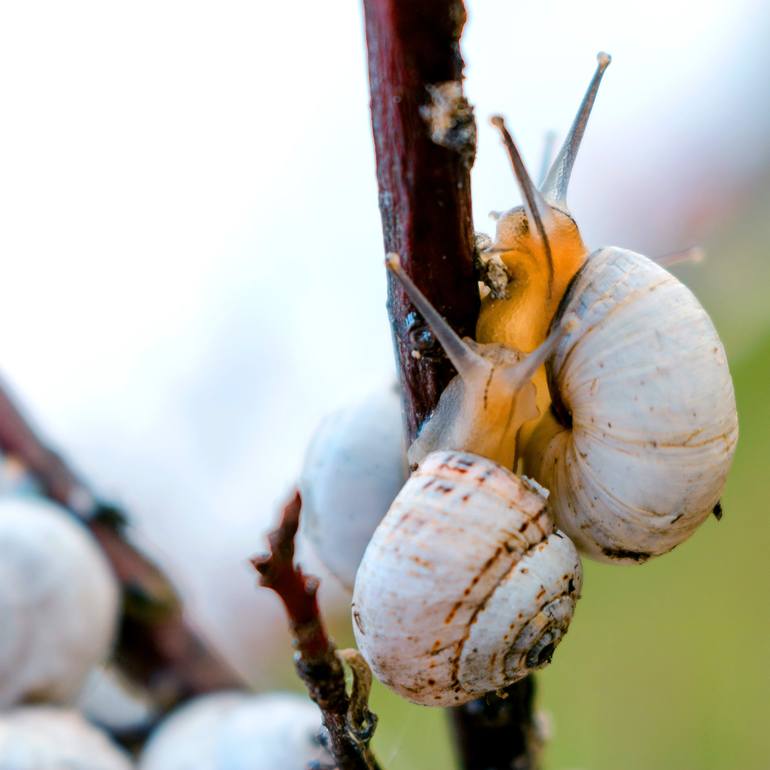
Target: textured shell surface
x,y
465,586
353,469
645,380
50,738
238,731
58,602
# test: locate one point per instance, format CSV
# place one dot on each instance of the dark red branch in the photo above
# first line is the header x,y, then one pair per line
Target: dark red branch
x,y
424,142
425,200
349,731
498,733
156,648
297,590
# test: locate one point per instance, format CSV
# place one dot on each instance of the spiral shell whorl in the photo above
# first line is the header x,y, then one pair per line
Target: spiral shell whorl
x,y
465,587
645,383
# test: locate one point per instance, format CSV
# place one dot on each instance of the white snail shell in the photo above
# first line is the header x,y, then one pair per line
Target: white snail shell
x,y
465,586
654,423
58,602
49,738
238,731
353,470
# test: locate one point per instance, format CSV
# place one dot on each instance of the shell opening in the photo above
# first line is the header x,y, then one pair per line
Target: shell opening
x,y
536,644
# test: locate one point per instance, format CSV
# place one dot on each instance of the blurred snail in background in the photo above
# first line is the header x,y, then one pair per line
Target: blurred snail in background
x,y
238,731
353,469
58,602
642,428
50,738
465,586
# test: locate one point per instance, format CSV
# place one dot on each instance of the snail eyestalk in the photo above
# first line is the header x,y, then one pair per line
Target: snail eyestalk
x,y
554,188
466,361
694,254
537,210
522,372
545,162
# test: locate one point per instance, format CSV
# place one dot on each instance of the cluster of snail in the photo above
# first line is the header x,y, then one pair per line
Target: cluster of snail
x,y
600,378
59,614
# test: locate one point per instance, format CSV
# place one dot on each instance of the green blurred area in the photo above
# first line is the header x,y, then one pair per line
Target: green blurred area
x,y
666,665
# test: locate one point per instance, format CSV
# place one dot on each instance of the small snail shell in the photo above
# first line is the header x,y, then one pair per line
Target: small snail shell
x,y
353,469
58,602
465,586
238,731
49,738
648,418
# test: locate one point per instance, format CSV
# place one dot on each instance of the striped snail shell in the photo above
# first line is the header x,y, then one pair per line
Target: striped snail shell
x,y
641,435
465,586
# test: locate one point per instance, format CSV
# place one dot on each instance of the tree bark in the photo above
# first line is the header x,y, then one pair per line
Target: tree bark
x,y
424,187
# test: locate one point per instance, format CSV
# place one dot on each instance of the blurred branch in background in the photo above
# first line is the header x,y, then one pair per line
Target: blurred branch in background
x,y
425,142
156,648
348,721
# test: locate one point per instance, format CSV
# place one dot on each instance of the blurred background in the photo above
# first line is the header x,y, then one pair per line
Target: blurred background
x,y
192,276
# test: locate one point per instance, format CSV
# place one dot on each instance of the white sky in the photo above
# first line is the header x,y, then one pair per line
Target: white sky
x,y
190,240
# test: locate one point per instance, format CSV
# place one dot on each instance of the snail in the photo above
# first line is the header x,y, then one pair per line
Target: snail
x,y
640,437
238,731
37,737
58,602
353,469
637,444
465,586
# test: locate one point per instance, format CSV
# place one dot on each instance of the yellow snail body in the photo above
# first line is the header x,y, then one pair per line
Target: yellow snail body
x,y
644,457
539,246
638,444
465,586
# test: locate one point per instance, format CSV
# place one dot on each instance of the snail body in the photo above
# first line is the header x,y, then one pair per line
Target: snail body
x,y
58,602
37,737
465,587
353,470
637,424
637,447
238,731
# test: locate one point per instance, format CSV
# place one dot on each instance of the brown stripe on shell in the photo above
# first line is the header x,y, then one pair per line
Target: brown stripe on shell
x,y
460,644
